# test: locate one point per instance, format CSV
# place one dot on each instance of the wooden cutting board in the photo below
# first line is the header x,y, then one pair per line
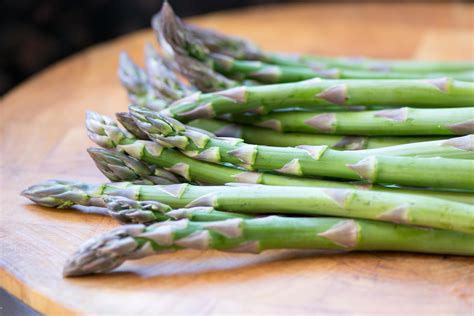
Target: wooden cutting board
x,y
42,137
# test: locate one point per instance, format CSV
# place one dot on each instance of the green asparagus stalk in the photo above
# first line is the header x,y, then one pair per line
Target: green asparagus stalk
x,y
407,66
120,167
265,136
459,147
393,122
311,160
271,73
262,136
314,93
103,131
131,211
361,65
254,199
245,50
361,74
184,43
109,250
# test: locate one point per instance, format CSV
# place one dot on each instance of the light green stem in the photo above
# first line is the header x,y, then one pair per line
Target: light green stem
x,y
391,122
269,137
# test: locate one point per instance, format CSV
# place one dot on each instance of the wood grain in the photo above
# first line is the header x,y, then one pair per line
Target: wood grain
x,y
42,137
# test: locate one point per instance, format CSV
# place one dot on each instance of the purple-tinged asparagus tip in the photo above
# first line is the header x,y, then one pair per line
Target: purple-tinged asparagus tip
x,y
104,252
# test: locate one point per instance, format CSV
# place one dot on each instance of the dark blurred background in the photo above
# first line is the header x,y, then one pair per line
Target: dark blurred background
x,y
36,33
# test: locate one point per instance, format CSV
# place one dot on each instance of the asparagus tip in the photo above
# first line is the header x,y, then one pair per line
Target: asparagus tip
x,y
126,210
55,193
104,252
166,8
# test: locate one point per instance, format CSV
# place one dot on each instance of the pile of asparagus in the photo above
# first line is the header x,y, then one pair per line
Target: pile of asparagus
x,y
233,148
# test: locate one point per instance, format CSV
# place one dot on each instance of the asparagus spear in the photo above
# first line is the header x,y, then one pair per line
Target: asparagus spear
x,y
184,43
457,147
271,73
106,133
243,49
401,121
311,160
109,250
264,136
130,211
368,65
408,66
120,167
392,146
314,93
254,199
